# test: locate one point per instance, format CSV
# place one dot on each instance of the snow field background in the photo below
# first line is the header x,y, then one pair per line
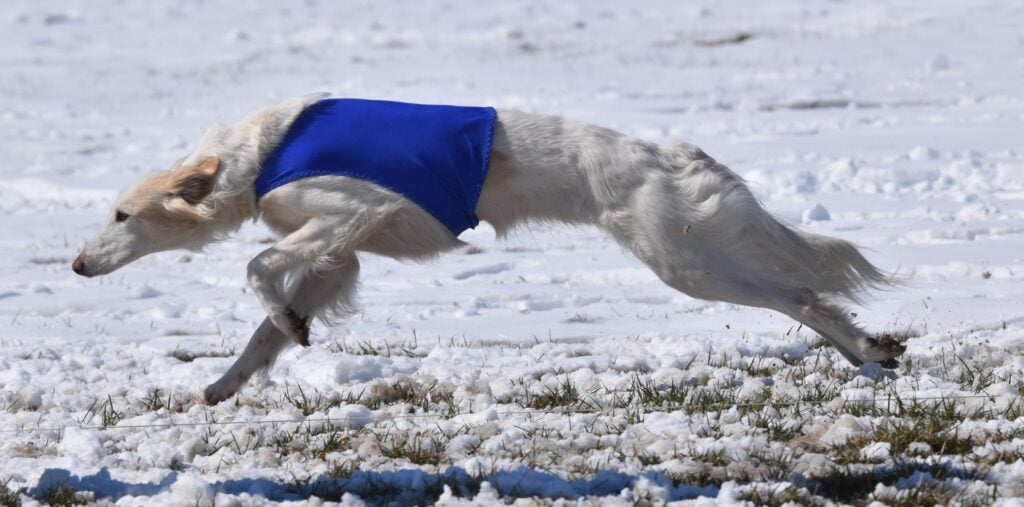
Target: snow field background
x,y
551,367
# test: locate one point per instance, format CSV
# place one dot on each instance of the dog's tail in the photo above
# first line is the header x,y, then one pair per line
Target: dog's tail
x,y
771,253
791,257
841,268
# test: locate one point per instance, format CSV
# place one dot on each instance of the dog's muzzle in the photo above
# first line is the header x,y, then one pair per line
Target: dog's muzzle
x,y
78,266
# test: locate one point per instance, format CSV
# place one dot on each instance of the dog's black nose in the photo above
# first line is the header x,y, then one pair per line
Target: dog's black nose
x,y
78,266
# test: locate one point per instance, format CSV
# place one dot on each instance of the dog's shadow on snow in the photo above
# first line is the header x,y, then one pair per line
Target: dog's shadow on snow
x,y
397,487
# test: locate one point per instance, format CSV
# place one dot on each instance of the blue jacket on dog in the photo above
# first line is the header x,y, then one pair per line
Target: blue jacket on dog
x,y
436,156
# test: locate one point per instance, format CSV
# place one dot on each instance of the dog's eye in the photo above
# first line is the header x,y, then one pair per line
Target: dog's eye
x,y
121,216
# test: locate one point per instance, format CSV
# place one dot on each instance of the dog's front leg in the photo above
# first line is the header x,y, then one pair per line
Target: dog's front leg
x,y
316,293
266,273
264,346
297,251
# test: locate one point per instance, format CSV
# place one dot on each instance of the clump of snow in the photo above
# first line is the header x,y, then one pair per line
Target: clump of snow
x,y
818,213
27,398
844,428
923,153
360,369
81,445
354,416
876,452
191,489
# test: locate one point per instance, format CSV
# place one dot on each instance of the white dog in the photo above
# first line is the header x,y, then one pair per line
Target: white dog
x,y
689,218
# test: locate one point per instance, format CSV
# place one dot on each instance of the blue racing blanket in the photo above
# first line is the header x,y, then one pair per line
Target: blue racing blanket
x,y
436,156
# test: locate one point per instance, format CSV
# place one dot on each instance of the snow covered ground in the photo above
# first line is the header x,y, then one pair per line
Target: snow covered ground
x,y
553,366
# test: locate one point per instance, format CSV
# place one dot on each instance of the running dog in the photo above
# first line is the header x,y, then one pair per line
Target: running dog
x,y
333,177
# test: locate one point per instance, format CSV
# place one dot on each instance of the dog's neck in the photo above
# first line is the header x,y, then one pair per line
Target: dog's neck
x,y
242,148
232,201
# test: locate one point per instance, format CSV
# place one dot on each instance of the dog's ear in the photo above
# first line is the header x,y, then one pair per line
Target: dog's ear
x,y
194,182
179,209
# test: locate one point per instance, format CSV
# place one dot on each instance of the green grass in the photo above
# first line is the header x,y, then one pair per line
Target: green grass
x,y
563,395
857,485
311,403
776,426
63,495
8,497
416,447
365,348
155,401
778,494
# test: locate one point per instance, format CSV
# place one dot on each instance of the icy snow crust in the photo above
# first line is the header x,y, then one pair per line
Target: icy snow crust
x,y
552,367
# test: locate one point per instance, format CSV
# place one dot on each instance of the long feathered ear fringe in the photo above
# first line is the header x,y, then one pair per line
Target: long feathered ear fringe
x,y
193,183
179,209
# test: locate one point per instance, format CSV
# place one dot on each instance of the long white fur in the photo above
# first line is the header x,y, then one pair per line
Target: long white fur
x,y
689,218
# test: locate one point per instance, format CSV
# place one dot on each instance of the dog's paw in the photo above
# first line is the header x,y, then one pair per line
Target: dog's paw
x,y
299,326
216,393
292,325
882,350
889,364
887,345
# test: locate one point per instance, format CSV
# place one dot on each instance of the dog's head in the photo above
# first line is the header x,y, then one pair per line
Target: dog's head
x,y
163,211
175,209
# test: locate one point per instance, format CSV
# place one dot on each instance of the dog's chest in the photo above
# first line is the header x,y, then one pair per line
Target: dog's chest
x,y
282,220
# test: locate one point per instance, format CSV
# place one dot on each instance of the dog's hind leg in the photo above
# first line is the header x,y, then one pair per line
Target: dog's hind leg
x,y
318,293
828,319
700,229
833,323
688,267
